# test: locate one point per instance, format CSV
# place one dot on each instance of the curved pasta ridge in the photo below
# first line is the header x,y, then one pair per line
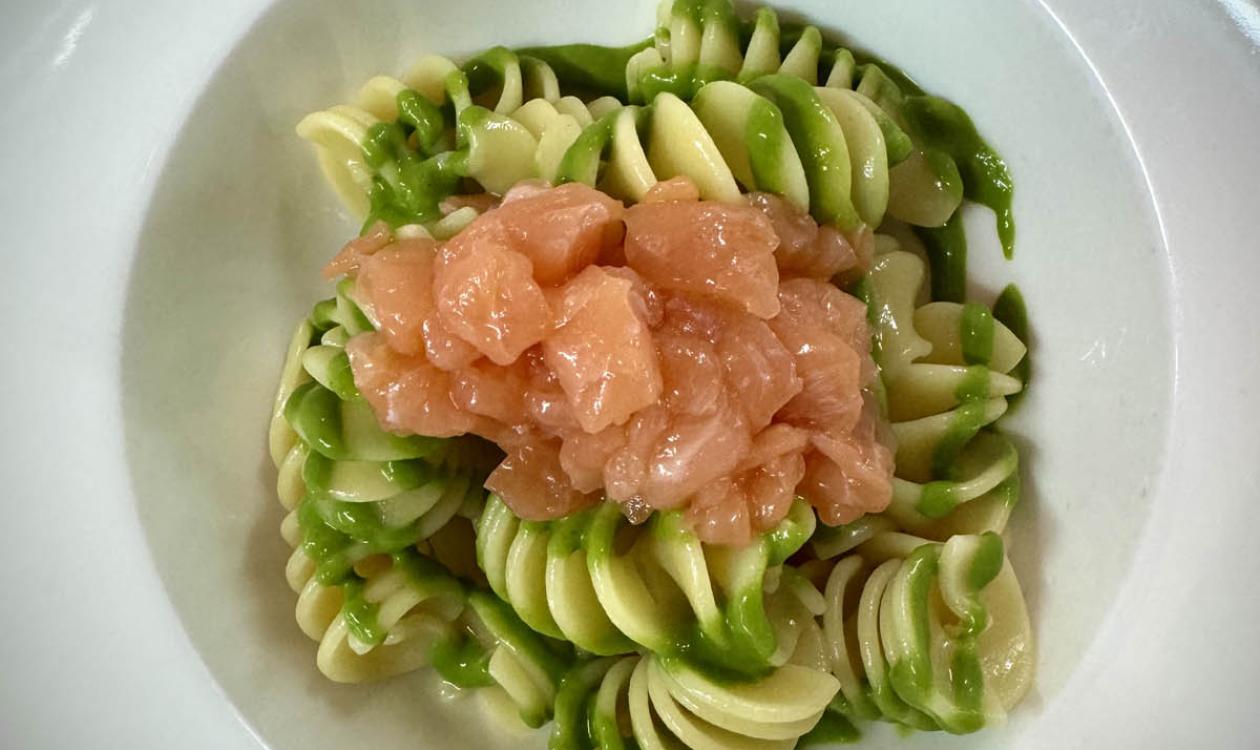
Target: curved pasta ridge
x,y
405,143
610,587
706,101
942,634
360,502
948,370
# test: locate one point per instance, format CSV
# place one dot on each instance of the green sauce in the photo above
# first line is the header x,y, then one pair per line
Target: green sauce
x,y
682,82
360,614
334,553
968,419
462,662
987,563
591,68
974,385
947,257
323,316
486,70
938,124
912,675
763,134
1012,313
605,734
581,161
967,677
516,636
832,728
976,334
572,730
937,499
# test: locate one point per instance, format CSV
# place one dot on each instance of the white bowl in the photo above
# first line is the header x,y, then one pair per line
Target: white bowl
x,y
197,223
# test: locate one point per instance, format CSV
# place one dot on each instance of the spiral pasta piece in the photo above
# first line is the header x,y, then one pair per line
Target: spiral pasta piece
x,y
698,42
638,634
947,371
658,702
609,587
942,633
405,144
359,502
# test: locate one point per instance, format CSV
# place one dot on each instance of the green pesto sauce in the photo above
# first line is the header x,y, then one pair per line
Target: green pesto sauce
x,y
947,257
525,643
974,385
323,317
332,551
832,728
936,123
763,135
462,662
967,676
1011,311
976,334
741,654
987,562
605,733
683,82
486,70
580,162
360,614
572,730
419,184
591,68
784,540
568,534
937,499
911,676
967,420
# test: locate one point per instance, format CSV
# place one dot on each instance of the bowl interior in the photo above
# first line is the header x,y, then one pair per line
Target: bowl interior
x,y
241,222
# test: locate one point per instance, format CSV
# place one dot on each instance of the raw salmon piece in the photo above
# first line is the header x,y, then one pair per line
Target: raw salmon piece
x,y
805,249
722,252
534,485
755,366
731,509
491,391
771,443
847,478
668,457
821,329
626,469
547,402
561,230
584,455
396,283
407,393
601,350
719,513
771,487
346,262
821,302
486,293
648,302
691,373
679,188
758,368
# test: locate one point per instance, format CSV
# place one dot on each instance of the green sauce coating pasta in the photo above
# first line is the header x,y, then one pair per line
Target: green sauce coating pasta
x,y
638,634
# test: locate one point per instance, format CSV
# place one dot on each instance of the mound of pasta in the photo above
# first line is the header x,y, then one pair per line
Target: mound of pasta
x,y
650,404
